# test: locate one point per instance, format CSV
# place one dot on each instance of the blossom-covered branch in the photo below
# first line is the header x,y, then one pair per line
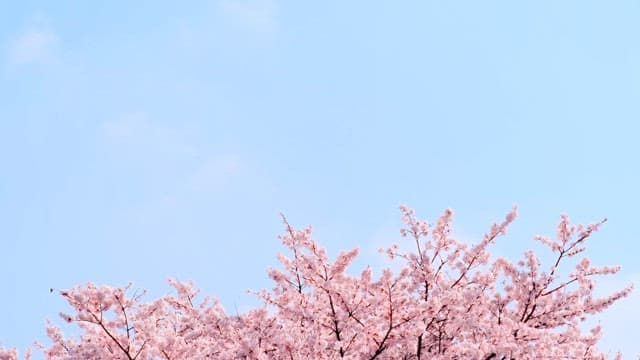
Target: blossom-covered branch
x,y
448,300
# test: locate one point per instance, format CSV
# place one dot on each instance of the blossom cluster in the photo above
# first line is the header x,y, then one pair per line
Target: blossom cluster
x,y
448,300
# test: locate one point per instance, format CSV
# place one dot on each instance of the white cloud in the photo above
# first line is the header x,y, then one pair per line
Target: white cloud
x,y
256,15
135,132
170,154
215,173
36,45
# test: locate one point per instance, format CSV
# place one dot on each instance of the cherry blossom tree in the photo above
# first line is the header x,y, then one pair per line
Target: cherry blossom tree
x,y
448,300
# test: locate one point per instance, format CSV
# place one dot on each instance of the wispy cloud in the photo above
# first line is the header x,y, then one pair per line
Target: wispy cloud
x,y
38,44
215,172
255,15
170,153
229,28
139,135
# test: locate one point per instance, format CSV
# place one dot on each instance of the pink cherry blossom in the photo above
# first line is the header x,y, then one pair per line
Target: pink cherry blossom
x,y
448,300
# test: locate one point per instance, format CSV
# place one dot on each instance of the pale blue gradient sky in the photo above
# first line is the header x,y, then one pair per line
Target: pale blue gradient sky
x,y
147,140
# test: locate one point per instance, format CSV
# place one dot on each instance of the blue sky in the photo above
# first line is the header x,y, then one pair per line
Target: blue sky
x,y
147,140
